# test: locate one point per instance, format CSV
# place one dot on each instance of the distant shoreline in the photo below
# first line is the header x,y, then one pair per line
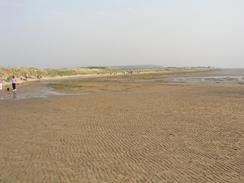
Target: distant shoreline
x,y
164,71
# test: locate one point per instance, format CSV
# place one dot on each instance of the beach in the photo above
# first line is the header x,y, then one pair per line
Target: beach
x,y
125,129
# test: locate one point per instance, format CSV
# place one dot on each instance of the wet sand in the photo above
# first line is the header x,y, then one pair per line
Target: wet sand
x,y
215,76
157,132
31,90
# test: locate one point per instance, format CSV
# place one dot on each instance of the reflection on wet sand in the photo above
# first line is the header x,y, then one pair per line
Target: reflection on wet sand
x,y
218,76
41,89
33,90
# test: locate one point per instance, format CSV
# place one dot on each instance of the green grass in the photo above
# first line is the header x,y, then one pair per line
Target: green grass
x,y
33,73
118,83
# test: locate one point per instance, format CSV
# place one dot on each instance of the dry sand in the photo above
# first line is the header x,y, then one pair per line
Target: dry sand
x,y
174,133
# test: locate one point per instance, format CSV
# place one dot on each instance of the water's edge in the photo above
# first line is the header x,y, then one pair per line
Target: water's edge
x,y
217,76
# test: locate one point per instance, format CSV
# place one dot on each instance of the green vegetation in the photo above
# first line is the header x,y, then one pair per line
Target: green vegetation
x,y
18,72
94,84
37,73
120,82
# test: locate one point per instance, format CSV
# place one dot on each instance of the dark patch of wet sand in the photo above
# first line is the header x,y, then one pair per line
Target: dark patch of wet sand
x,y
215,76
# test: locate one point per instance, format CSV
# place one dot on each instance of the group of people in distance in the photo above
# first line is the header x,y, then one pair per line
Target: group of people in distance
x,y
13,81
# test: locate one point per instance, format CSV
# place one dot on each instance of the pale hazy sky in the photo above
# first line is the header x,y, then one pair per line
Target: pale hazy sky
x,y
61,33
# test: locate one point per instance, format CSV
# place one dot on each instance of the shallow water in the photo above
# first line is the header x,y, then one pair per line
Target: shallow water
x,y
33,90
218,76
41,89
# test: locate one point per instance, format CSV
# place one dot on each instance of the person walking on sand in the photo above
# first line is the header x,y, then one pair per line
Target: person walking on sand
x,y
14,82
1,83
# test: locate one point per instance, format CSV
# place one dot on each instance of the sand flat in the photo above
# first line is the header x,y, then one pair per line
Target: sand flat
x,y
162,133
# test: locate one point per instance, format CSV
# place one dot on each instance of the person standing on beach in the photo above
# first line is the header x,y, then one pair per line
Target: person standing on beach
x,y
1,83
14,82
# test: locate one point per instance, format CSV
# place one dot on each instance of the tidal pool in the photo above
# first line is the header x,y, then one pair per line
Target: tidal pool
x,y
217,76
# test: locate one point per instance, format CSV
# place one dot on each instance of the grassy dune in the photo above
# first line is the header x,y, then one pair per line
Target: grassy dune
x,y
33,73
37,73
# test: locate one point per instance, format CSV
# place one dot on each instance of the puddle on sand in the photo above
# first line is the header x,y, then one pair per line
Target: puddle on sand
x,y
218,76
35,90
219,79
